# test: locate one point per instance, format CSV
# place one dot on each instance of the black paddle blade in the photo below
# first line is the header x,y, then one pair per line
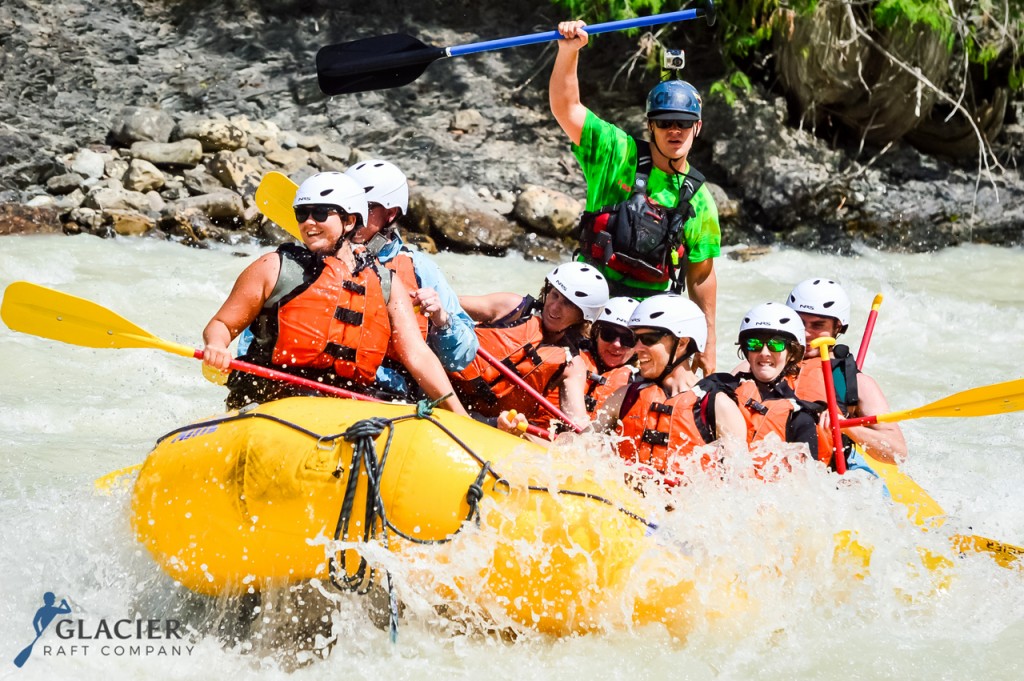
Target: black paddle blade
x,y
376,63
710,13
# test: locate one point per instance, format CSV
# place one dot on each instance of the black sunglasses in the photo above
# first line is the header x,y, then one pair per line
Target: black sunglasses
x,y
609,334
775,344
651,337
668,125
319,213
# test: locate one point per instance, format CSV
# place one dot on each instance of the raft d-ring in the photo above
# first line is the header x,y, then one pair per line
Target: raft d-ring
x,y
823,344
325,443
506,488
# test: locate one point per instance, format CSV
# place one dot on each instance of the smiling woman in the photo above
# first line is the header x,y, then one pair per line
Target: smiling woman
x,y
317,313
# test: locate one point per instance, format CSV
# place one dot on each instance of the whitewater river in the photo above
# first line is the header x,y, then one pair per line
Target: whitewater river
x,y
950,321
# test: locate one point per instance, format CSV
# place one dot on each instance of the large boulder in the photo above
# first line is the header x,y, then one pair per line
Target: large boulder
x,y
462,218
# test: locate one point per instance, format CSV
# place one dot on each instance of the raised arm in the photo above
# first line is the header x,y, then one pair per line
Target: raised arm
x,y
413,352
251,290
564,86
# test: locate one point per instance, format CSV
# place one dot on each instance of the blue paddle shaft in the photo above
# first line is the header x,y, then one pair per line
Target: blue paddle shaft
x,y
607,27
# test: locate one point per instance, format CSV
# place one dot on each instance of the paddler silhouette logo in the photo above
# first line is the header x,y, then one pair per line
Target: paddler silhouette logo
x,y
44,616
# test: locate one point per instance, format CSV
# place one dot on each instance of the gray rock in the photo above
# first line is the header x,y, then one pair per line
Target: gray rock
x,y
198,180
462,219
107,199
64,184
224,204
182,153
467,120
141,124
548,211
87,163
143,176
213,134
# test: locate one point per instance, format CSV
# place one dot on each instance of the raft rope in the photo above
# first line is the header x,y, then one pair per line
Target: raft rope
x,y
363,436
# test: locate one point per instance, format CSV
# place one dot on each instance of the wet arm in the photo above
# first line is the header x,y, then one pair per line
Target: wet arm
x,y
491,307
452,338
564,85
883,441
413,352
243,304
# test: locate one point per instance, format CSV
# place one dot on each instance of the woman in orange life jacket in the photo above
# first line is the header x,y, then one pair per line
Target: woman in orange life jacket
x,y
771,340
609,361
666,413
536,338
316,313
825,310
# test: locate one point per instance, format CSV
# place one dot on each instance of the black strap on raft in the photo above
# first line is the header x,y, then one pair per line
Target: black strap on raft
x,y
363,436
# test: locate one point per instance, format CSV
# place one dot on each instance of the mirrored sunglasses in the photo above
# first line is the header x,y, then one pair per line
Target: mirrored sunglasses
x,y
775,344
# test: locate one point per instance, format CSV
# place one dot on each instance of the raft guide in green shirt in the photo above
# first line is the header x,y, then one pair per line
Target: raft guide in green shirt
x,y
607,156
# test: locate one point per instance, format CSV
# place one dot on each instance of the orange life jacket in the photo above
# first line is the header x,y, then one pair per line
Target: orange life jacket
x,y
810,382
521,348
660,430
599,387
322,321
774,415
339,322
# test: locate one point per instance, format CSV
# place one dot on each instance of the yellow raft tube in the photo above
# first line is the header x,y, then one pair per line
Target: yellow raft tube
x,y
259,497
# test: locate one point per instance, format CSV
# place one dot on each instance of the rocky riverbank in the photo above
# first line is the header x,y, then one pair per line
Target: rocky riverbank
x,y
144,118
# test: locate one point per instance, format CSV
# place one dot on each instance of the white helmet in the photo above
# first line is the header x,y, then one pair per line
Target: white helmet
x,y
333,189
618,311
822,297
677,314
383,183
582,285
774,317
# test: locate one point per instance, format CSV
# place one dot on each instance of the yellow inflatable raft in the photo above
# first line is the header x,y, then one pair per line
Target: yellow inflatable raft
x,y
281,493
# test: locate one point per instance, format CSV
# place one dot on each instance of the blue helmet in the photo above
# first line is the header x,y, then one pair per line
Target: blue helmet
x,y
673,100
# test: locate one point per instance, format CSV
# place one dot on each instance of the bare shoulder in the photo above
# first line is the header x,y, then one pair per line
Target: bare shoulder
x,y
490,307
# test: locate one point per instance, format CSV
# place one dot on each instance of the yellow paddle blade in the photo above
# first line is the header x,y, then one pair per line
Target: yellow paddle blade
x,y
274,198
1006,555
119,478
44,312
999,398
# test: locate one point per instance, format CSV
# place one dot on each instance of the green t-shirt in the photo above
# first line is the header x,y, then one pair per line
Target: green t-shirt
x,y
607,156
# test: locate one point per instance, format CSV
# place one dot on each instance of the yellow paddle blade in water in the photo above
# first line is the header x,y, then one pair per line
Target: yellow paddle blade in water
x,y
40,311
999,398
274,198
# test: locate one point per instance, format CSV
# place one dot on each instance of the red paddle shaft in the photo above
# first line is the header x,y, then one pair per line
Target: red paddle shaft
x,y
833,406
541,400
276,375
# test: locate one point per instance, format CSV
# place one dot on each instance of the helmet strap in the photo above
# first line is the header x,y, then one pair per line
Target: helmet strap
x,y
672,362
671,161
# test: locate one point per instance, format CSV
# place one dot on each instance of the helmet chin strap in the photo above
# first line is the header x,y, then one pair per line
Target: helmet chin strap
x,y
671,161
672,364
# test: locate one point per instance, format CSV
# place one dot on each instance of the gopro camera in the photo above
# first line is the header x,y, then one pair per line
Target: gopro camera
x,y
673,59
